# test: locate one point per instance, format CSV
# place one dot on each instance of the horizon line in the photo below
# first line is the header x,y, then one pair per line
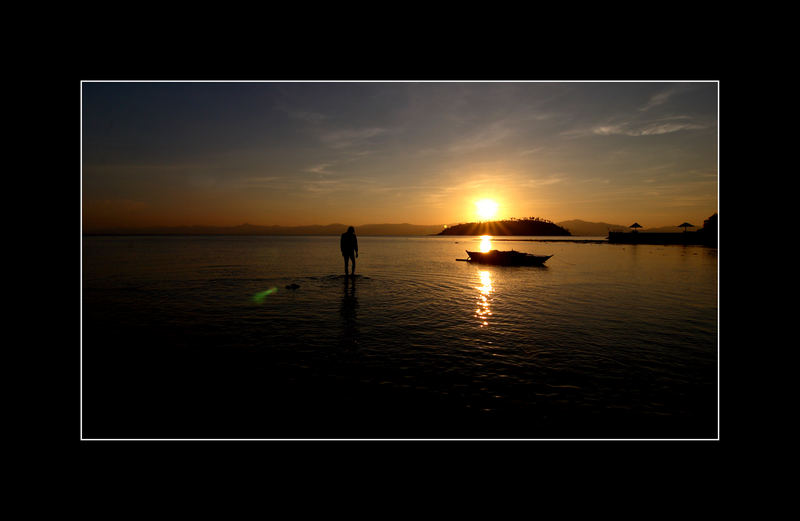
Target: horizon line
x,y
96,229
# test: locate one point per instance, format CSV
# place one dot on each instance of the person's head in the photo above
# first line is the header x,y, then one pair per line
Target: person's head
x,y
351,230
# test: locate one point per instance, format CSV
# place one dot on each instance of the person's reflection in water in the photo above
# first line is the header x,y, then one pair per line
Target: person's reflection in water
x,y
348,311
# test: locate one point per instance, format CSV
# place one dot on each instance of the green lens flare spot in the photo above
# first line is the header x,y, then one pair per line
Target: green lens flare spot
x,y
260,296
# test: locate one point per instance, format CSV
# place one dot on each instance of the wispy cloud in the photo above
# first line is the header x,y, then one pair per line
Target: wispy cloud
x,y
322,169
346,138
663,97
307,116
637,128
300,114
323,186
647,129
657,99
543,181
331,166
491,135
534,150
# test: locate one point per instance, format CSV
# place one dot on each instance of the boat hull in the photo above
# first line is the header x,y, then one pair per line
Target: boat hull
x,y
507,258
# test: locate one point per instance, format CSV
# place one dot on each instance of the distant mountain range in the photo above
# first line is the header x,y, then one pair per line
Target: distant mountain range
x,y
583,228
574,227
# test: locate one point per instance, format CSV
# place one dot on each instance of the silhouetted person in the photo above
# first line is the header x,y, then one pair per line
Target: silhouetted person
x,y
349,246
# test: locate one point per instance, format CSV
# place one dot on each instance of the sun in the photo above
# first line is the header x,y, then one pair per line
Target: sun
x,y
486,209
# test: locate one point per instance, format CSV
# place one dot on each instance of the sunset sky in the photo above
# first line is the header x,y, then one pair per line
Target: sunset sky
x,y
300,153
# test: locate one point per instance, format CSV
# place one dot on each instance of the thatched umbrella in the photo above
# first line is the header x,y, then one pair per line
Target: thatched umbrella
x,y
685,225
634,226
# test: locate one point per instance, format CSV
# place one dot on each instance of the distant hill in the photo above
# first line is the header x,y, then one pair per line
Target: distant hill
x,y
668,229
530,226
253,229
584,228
398,229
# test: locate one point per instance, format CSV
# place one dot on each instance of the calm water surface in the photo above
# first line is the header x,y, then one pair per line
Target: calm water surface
x,y
197,337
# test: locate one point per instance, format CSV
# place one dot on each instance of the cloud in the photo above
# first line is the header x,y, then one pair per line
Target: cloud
x,y
323,186
320,169
646,128
543,182
347,138
658,99
662,97
535,150
490,135
300,114
307,116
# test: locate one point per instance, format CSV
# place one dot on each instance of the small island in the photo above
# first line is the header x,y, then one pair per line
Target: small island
x,y
527,226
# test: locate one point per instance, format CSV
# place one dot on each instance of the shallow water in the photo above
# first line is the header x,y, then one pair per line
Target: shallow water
x,y
198,337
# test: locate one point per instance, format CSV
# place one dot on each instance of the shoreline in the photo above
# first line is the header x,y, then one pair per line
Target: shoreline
x,y
591,241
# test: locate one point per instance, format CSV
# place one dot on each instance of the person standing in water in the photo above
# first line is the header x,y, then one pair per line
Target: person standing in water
x,y
349,247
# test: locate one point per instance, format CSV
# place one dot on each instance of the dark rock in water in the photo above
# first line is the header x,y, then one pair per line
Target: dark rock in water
x,y
292,286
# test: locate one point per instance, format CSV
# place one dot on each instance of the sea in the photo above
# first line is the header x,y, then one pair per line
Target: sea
x,y
265,338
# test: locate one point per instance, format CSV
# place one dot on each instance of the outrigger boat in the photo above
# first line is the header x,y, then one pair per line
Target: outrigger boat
x,y
506,258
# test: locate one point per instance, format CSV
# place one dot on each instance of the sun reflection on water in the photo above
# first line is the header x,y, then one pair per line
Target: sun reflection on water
x,y
486,243
485,290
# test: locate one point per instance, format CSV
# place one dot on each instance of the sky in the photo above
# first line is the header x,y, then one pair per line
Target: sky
x,y
302,153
